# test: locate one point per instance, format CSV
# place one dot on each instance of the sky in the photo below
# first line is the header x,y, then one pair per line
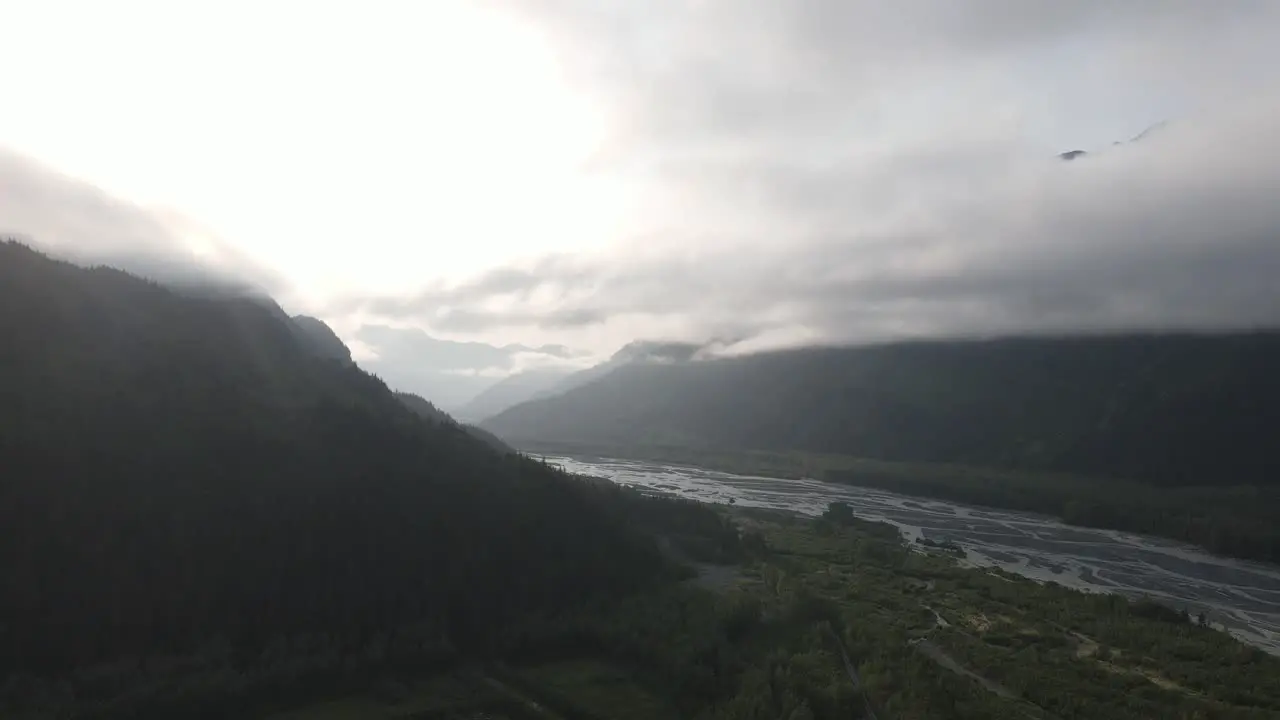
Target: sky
x,y
582,173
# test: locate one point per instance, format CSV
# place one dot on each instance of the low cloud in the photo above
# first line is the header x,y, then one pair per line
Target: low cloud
x,y
1178,230
837,171
843,171
77,221
450,372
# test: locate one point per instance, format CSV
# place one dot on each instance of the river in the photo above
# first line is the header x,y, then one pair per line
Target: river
x,y
1240,597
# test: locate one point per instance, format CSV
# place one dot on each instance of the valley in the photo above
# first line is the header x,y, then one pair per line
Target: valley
x,y
1238,596
580,360
264,530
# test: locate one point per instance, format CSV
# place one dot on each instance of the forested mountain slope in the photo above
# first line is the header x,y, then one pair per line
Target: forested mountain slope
x,y
428,411
203,517
1172,410
510,391
323,340
179,470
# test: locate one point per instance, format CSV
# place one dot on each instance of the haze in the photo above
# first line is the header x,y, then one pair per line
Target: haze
x,y
575,175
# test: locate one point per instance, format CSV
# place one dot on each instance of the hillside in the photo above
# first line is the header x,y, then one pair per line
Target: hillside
x,y
325,343
1166,409
639,352
181,470
321,338
1161,434
508,392
427,411
205,517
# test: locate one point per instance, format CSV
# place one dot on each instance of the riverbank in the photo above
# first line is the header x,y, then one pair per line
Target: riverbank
x,y
1240,596
1233,521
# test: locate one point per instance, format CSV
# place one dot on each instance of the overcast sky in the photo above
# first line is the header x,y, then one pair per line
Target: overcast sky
x,y
585,172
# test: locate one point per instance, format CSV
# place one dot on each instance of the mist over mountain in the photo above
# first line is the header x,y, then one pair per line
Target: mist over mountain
x,y
451,373
510,391
325,343
427,411
394,361
201,469
322,338
1166,409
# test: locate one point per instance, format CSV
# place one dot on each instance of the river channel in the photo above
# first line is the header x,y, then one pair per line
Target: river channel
x,y
1241,597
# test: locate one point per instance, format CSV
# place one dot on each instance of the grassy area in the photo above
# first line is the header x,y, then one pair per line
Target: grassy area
x,y
598,688
443,697
1049,650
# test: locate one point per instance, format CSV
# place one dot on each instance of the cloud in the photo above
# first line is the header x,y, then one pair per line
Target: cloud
x,y
78,221
449,372
708,76
815,171
839,171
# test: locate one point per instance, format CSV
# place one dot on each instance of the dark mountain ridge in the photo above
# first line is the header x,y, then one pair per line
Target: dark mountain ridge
x,y
511,391
428,411
180,470
325,343
322,339
635,352
1168,409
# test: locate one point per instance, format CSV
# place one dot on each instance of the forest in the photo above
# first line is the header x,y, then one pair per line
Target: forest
x,y
783,617
204,515
182,470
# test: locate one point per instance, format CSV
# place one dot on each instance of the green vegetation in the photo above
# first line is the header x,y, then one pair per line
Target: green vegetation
x,y
205,515
924,639
457,694
196,503
427,410
598,689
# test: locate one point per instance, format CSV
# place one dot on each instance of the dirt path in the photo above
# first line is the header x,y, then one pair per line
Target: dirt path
x,y
854,677
940,656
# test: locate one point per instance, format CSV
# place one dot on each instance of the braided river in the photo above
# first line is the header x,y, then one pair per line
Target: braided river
x,y
1240,597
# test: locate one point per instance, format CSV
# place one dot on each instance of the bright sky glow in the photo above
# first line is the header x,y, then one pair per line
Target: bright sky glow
x,y
590,172
350,146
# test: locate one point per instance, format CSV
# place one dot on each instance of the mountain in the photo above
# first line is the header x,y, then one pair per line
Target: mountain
x,y
511,390
450,373
325,343
201,516
321,338
1161,434
424,409
1166,409
636,352
547,382
185,473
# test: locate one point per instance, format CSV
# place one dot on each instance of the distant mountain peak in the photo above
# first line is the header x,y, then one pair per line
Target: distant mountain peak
x,y
656,350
